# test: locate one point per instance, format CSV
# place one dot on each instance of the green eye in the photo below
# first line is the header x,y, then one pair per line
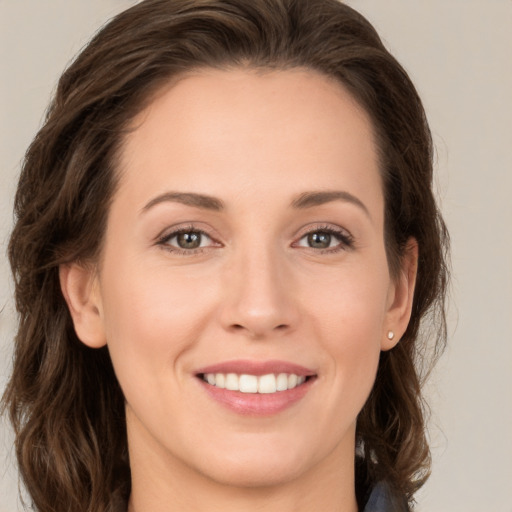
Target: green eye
x,y
326,239
319,240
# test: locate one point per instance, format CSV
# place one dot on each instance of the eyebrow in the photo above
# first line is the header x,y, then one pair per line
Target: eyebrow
x,y
187,198
303,201
310,199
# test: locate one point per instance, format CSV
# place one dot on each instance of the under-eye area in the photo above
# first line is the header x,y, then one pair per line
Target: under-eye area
x,y
263,384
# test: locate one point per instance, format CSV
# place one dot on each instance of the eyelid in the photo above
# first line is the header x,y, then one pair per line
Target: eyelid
x,y
173,231
346,240
345,237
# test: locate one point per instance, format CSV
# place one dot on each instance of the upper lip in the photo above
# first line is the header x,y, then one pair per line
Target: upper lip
x,y
252,367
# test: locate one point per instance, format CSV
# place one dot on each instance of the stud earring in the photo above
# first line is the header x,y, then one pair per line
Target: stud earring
x,y
391,335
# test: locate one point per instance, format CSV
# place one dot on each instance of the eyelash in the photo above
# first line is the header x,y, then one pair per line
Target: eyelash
x,y
345,240
164,240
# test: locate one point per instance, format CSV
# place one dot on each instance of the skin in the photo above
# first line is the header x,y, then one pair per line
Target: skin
x,y
255,289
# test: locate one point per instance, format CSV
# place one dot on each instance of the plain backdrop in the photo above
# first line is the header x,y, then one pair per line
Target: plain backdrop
x,y
458,53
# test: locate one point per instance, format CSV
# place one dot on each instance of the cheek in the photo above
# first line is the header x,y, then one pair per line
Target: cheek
x,y
150,318
350,308
349,317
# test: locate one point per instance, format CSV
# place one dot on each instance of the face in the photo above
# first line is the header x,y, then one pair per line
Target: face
x,y
243,289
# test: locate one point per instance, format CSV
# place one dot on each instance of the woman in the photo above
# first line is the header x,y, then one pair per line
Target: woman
x,y
226,242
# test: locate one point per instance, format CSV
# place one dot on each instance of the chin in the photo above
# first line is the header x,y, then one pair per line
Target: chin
x,y
257,467
250,474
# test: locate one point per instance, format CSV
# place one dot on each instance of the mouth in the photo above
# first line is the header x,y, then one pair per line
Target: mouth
x,y
256,388
269,383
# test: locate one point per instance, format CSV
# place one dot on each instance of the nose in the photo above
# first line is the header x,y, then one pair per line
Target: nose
x,y
259,296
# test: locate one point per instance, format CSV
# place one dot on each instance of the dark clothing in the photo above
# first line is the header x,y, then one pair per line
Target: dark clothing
x,y
382,500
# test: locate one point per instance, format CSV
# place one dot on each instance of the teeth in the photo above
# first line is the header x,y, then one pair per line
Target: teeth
x,y
282,382
267,384
232,382
264,384
292,380
219,380
248,383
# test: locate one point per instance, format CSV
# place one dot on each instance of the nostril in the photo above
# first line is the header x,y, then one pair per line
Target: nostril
x,y
239,327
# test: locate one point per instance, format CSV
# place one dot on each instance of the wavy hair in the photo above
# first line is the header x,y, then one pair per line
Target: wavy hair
x,y
63,398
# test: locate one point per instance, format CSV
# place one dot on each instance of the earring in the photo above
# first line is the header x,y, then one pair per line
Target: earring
x,y
391,335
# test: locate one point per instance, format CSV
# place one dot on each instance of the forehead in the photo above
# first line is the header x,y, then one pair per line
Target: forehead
x,y
213,130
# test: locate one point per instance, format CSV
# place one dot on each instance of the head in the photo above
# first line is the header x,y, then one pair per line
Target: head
x,y
65,401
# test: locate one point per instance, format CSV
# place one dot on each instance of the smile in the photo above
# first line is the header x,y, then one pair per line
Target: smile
x,y
256,388
245,383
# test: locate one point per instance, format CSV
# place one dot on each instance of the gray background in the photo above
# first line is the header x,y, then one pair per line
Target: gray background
x,y
458,53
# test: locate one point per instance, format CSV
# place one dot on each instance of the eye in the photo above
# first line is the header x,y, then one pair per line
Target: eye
x,y
326,238
320,240
186,240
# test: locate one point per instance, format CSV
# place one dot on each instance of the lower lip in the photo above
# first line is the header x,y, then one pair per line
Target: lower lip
x,y
257,404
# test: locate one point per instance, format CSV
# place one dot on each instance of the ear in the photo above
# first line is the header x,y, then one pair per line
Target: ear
x,y
79,286
400,297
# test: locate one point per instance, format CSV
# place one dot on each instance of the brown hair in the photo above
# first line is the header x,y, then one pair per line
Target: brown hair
x,y
63,397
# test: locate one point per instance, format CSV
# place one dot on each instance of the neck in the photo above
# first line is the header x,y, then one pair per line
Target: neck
x,y
301,495
167,484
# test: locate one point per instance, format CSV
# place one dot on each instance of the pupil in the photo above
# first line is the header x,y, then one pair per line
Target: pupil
x,y
319,240
189,240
